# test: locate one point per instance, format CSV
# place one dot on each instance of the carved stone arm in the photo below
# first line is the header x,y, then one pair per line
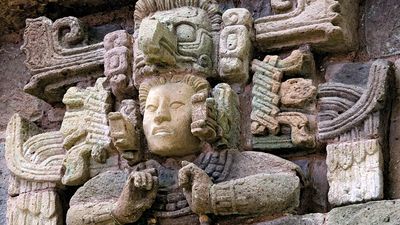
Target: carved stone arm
x,y
261,193
255,194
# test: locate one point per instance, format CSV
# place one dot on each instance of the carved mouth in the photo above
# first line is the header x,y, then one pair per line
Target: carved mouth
x,y
161,131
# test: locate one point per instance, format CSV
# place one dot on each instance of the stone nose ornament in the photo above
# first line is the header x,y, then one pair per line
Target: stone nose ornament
x,y
157,42
162,114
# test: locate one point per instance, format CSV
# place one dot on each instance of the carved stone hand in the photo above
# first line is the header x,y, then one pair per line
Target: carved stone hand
x,y
196,186
137,196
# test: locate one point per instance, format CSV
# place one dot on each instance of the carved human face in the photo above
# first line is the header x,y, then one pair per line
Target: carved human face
x,y
167,119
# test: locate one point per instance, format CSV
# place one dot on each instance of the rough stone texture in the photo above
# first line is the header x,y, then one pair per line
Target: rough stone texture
x,y
371,213
235,46
353,120
393,190
4,177
355,171
308,219
258,8
14,12
363,105
315,22
86,134
58,55
382,27
314,197
270,108
12,98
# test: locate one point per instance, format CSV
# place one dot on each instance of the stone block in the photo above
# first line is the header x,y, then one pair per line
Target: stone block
x,y
355,171
371,213
352,103
308,219
381,27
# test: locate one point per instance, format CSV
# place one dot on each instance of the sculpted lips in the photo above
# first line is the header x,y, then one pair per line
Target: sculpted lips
x,y
161,131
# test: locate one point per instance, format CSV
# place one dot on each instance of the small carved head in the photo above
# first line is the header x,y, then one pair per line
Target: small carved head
x,y
166,105
175,33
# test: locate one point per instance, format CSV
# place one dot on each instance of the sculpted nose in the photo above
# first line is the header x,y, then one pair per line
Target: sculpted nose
x,y
162,114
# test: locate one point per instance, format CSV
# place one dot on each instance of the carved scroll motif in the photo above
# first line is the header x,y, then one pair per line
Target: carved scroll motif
x,y
58,56
325,24
274,102
35,164
352,120
347,111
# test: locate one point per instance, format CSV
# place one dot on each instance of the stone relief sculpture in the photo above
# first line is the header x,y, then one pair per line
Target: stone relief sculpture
x,y
326,25
58,56
353,120
158,138
275,102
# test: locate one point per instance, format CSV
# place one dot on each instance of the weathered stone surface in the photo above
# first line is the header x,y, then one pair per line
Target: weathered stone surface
x,y
271,106
355,171
14,12
12,98
85,133
257,8
326,25
353,120
394,140
58,56
315,194
347,102
381,27
35,174
242,177
117,64
371,213
235,46
308,219
4,177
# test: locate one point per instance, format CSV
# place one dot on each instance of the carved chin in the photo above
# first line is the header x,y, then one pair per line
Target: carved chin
x,y
167,145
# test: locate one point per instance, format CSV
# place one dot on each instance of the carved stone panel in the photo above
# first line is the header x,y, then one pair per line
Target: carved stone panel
x,y
58,56
277,103
353,120
355,171
327,25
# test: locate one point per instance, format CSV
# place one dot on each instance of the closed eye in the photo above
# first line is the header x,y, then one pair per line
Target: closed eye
x,y
176,105
151,108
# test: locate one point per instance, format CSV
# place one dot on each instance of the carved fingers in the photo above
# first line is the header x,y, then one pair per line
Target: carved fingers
x,y
138,195
145,180
196,186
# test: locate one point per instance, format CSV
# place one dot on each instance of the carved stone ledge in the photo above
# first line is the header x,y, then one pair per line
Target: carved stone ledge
x,y
327,25
58,56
